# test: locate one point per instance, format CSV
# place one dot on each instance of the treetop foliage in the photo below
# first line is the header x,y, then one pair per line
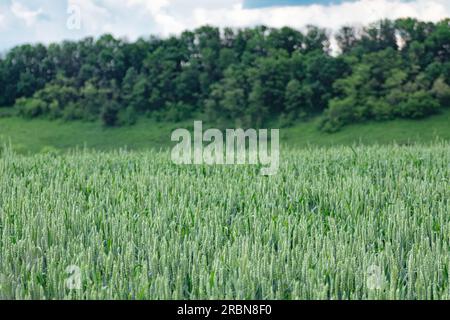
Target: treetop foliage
x,y
245,76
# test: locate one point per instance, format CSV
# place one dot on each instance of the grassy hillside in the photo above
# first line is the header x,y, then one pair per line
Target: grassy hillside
x,y
399,131
38,135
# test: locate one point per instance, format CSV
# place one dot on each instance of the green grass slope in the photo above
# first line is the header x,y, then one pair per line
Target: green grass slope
x,y
32,136
399,131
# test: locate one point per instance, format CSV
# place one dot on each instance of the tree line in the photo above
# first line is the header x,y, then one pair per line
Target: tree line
x,y
248,77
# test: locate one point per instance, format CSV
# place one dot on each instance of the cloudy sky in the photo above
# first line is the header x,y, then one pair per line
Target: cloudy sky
x,y
47,21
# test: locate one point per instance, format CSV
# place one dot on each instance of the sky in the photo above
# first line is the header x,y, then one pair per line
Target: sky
x,y
45,21
273,3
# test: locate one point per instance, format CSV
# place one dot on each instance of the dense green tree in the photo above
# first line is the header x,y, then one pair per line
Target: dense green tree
x,y
298,100
379,36
316,39
287,39
346,39
245,76
109,114
441,91
228,100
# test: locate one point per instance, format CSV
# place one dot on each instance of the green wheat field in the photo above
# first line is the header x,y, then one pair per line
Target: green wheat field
x,y
362,222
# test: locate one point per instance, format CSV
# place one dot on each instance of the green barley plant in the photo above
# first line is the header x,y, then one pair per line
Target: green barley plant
x,y
334,223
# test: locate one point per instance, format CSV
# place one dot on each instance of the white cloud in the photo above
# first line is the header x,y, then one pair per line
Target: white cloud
x,y
134,18
22,12
94,17
154,6
175,16
171,19
2,20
